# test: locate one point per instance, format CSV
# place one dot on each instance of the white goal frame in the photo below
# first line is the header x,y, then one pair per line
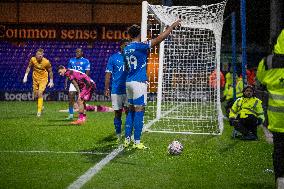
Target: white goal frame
x,y
215,25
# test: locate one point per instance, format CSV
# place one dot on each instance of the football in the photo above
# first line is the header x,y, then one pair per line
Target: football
x,y
175,148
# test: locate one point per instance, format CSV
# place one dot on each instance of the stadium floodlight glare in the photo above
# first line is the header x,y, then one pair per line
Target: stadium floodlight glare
x,y
180,99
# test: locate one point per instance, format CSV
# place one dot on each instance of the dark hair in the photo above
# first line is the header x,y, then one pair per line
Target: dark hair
x,y
252,88
79,49
122,41
134,30
60,67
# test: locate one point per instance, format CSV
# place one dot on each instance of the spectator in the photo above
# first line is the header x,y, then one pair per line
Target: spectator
x,y
251,76
213,80
229,96
246,114
270,74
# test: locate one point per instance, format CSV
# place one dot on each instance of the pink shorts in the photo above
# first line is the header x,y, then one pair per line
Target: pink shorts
x,y
86,93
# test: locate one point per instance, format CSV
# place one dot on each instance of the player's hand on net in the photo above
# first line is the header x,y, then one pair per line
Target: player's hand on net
x,y
176,23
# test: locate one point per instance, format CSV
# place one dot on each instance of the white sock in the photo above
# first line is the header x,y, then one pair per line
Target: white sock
x,y
137,141
128,139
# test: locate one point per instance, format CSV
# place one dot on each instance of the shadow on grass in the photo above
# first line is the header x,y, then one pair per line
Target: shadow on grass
x,y
109,138
101,148
59,124
107,145
228,147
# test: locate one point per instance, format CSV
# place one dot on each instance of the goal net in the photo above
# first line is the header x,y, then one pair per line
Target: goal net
x,y
181,97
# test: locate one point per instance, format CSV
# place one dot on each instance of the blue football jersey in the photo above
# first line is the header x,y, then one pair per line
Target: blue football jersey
x,y
136,54
80,64
116,67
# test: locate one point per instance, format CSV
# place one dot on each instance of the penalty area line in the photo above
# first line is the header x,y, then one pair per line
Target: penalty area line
x,y
51,152
95,169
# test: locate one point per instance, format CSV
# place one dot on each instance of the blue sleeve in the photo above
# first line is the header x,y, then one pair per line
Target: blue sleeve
x,y
87,65
109,67
69,66
145,45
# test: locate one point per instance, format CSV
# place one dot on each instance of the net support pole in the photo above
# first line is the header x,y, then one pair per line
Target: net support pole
x,y
244,47
144,21
234,52
218,34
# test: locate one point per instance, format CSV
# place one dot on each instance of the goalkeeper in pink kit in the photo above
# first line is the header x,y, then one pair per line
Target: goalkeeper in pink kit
x,y
85,87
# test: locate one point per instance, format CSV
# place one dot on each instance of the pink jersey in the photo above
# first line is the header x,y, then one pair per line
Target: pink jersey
x,y
86,84
81,78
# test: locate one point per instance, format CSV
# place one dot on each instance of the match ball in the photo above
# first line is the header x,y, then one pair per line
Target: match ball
x,y
175,148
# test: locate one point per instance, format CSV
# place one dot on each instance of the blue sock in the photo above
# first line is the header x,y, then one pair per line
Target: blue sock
x,y
117,125
138,125
71,110
129,124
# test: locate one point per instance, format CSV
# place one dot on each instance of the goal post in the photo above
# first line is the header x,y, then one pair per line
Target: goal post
x,y
181,97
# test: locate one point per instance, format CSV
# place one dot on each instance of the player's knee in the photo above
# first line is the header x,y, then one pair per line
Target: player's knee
x,y
40,93
139,108
71,95
80,101
131,108
118,113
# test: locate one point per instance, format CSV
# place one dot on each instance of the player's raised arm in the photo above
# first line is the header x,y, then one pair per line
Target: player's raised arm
x,y
27,72
165,34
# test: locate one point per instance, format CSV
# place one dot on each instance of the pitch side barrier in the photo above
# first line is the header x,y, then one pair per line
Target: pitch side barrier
x,y
48,96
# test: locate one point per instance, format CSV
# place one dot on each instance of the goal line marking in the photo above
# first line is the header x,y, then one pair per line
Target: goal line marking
x,y
51,152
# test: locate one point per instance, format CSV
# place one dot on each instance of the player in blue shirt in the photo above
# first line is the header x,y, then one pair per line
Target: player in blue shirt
x,y
136,54
81,64
116,69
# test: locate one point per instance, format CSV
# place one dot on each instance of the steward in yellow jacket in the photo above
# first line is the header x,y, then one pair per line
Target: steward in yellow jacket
x,y
246,114
229,93
270,73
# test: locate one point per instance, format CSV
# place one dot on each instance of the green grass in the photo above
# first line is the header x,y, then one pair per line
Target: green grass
x,y
206,162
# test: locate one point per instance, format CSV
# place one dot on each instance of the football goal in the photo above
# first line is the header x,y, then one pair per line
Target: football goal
x,y
180,97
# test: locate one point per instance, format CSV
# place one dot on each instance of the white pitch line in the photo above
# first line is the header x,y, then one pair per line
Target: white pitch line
x,y
95,169
51,152
83,179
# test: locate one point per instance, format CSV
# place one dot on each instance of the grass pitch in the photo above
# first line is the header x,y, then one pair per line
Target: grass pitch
x,y
48,152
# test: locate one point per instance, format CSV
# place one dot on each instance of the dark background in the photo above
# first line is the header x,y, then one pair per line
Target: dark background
x,y
260,35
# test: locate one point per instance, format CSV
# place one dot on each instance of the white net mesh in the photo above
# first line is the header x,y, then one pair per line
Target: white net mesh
x,y
180,98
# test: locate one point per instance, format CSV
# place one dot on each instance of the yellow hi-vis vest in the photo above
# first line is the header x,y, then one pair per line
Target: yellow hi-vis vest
x,y
247,106
270,73
229,90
